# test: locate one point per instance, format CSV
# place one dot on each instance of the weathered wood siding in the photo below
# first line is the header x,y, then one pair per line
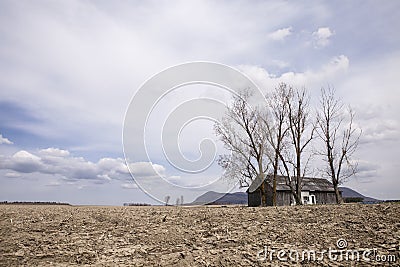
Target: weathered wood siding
x,y
283,198
254,198
325,197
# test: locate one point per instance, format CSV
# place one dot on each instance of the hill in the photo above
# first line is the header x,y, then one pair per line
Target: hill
x,y
350,193
216,198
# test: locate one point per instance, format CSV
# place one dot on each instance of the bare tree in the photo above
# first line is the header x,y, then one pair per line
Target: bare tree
x,y
338,148
294,158
166,200
277,128
243,133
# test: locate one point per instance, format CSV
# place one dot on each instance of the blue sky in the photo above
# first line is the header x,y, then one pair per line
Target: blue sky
x,y
68,70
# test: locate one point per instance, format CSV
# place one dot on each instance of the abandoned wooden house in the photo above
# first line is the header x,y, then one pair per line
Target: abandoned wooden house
x,y
314,191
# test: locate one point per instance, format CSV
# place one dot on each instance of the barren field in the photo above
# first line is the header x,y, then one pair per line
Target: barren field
x,y
197,236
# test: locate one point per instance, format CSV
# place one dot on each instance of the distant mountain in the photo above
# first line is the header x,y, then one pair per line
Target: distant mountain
x,y
216,198
33,203
350,193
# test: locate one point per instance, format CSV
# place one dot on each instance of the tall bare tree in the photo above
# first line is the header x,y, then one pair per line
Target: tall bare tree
x,y
244,134
340,141
277,128
294,158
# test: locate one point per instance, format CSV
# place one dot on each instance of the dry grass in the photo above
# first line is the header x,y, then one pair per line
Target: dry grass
x,y
189,236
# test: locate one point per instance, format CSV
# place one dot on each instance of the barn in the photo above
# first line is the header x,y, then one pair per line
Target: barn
x,y
314,191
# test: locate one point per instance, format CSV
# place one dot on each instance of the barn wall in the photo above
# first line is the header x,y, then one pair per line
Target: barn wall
x,y
325,197
283,198
254,198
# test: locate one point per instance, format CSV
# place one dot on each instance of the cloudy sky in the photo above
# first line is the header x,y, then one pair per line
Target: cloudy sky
x,y
68,70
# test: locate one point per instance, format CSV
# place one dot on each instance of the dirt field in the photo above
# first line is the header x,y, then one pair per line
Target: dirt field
x,y
197,236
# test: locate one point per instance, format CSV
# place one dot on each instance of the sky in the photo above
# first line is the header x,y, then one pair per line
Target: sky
x,y
69,69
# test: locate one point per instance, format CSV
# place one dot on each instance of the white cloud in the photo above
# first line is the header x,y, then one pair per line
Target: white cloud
x,y
116,165
54,183
60,162
280,63
175,179
12,175
67,168
321,37
87,53
146,169
376,131
281,34
366,171
311,78
23,162
56,152
4,140
129,186
26,155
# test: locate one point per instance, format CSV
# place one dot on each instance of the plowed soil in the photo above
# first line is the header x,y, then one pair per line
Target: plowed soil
x,y
196,236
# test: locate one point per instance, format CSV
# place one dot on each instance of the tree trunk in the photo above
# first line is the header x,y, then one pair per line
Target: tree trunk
x,y
339,199
298,191
261,176
263,195
274,179
274,191
298,198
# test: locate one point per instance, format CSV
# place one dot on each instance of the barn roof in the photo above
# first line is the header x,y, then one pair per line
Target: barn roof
x,y
309,184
